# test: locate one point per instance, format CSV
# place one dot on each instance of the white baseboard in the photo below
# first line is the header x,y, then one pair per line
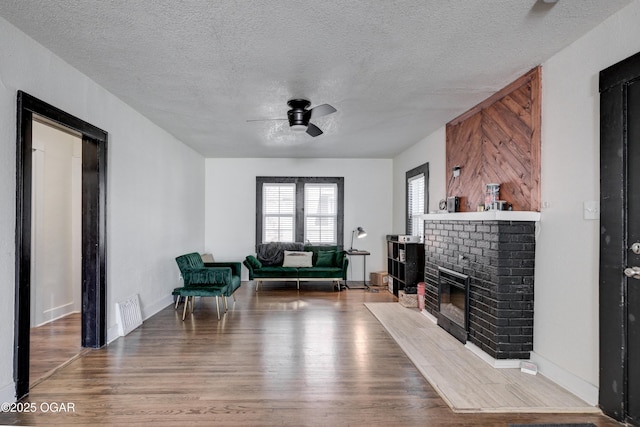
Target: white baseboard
x,y
496,363
59,312
8,393
149,310
565,379
429,316
112,333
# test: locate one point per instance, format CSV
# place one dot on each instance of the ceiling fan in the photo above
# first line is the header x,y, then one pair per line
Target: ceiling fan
x,y
299,115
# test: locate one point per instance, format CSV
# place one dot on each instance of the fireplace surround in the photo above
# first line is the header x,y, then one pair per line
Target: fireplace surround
x,y
496,251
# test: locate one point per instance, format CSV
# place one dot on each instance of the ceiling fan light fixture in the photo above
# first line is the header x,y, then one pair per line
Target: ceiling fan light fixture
x,y
299,116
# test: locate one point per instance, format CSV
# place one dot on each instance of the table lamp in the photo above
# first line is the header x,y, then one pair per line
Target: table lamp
x,y
357,232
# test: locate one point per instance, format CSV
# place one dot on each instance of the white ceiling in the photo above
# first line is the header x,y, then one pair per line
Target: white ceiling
x,y
395,70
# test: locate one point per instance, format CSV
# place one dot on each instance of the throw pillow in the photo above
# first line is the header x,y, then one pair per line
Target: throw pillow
x,y
297,259
326,259
253,262
207,258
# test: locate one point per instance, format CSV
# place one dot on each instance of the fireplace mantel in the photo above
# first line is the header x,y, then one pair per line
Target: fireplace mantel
x,y
484,216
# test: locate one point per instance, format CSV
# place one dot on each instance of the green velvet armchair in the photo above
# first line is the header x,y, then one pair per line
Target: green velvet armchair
x,y
212,279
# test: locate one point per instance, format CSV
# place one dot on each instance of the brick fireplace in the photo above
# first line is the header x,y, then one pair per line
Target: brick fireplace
x,y
495,251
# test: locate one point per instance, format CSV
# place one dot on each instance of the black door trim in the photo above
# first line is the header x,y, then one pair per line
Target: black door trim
x,y
94,226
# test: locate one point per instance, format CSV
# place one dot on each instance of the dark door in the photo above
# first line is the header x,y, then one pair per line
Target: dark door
x,y
620,231
633,255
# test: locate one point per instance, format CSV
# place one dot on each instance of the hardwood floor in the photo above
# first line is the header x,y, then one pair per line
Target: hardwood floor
x,y
53,345
312,357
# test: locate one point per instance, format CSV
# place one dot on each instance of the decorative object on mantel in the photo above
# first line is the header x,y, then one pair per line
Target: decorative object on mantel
x,y
453,204
491,196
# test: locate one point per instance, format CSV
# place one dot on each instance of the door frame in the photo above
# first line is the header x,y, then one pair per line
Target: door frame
x,y
613,393
94,230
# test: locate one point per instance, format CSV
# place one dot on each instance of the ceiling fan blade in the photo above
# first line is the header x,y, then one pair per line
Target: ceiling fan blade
x,y
313,130
263,120
322,110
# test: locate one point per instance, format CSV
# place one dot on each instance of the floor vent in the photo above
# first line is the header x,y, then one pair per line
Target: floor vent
x,y
129,314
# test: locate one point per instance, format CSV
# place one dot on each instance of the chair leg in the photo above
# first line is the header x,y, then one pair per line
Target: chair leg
x,y
184,311
217,307
257,285
225,303
177,302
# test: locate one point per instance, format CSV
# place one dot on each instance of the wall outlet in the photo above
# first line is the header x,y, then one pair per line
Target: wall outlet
x,y
591,209
528,367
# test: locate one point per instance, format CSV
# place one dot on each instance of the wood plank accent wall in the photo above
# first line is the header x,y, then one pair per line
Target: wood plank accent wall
x,y
498,141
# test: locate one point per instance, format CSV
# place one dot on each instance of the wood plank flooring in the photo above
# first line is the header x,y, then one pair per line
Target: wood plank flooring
x,y
53,345
467,383
279,357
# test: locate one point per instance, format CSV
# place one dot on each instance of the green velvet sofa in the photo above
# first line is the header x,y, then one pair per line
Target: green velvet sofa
x,y
329,264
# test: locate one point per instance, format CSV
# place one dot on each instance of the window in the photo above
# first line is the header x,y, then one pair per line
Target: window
x,y
320,213
415,204
300,209
417,198
279,208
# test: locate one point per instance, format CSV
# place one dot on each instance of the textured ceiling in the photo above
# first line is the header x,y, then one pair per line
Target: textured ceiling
x,y
395,70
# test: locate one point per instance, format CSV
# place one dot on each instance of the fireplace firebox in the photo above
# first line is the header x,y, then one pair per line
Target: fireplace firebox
x,y
453,300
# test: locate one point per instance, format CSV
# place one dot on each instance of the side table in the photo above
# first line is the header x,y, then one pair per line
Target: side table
x,y
363,254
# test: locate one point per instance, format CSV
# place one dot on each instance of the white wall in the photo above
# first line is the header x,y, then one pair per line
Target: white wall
x,y
55,285
430,150
566,298
566,275
231,203
155,202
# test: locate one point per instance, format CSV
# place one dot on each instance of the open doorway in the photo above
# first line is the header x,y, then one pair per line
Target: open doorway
x,y
56,197
92,299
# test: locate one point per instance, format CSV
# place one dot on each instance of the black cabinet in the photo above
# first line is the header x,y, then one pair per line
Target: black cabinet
x,y
405,263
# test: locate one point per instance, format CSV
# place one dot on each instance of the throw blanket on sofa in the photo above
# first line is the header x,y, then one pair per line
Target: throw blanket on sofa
x,y
273,253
